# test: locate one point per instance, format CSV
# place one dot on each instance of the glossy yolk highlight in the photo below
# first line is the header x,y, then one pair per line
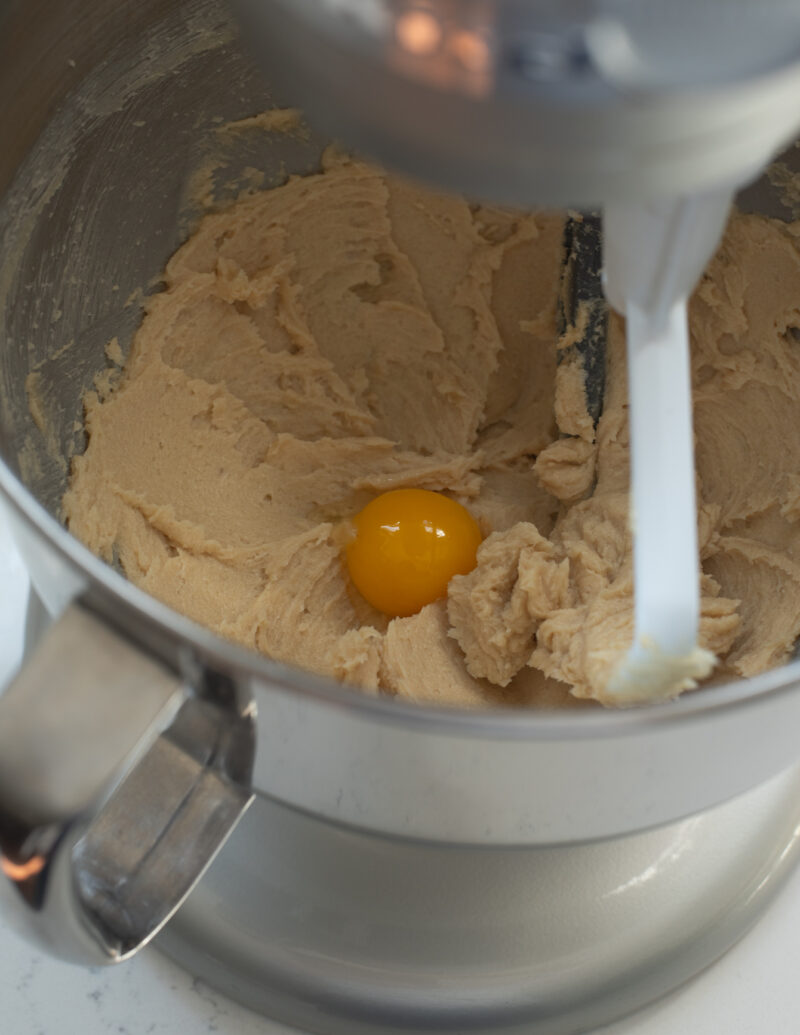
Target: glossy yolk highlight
x,y
406,545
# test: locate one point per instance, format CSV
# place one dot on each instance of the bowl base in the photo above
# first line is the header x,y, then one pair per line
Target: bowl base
x,y
341,932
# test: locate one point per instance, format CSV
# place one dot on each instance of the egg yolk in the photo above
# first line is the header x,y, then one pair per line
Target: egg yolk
x,y
405,547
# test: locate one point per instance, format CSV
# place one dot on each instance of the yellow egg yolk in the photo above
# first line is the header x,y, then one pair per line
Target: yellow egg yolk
x,y
405,547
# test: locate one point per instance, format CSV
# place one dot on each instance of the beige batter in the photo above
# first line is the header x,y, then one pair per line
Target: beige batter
x,y
346,334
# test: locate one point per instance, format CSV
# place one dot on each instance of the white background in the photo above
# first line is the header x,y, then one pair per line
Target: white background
x,y
754,990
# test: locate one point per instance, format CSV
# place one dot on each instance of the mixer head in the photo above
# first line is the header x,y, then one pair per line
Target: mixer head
x,y
558,102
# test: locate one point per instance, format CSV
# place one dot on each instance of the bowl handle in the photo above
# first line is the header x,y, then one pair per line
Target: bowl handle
x,y
118,786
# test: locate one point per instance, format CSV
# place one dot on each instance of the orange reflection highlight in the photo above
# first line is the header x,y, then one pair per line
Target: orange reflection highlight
x,y
471,50
20,872
418,32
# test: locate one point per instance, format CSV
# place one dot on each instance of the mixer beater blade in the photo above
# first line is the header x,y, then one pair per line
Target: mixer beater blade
x,y
654,254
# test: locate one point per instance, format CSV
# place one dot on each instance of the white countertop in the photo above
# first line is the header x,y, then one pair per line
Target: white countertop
x,y
753,990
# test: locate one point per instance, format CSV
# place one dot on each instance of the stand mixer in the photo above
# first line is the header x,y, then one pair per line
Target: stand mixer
x,y
398,869
641,109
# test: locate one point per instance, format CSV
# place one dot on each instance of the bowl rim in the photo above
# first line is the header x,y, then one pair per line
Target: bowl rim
x,y
516,724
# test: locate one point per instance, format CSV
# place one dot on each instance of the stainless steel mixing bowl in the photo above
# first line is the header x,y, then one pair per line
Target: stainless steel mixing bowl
x,y
109,110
